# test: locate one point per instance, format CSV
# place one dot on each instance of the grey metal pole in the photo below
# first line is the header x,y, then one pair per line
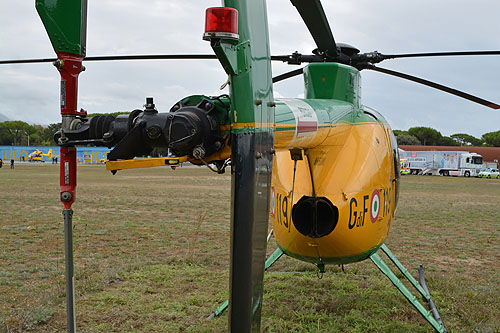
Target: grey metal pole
x,y
68,257
28,137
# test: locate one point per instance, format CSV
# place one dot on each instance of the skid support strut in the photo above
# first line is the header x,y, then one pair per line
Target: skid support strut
x,y
269,261
433,318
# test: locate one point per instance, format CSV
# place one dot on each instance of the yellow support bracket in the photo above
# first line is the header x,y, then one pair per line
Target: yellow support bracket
x,y
145,163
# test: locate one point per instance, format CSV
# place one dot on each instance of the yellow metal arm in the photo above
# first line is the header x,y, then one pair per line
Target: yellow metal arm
x,y
145,163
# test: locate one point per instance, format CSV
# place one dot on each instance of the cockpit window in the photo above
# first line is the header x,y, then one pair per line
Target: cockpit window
x,y
397,167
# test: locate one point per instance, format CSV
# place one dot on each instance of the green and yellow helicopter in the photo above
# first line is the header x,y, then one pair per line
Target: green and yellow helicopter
x,y
323,168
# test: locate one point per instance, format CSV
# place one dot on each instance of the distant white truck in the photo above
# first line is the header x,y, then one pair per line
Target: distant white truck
x,y
444,163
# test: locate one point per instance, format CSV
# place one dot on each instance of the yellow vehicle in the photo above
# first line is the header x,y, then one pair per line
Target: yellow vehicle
x,y
103,159
405,166
38,155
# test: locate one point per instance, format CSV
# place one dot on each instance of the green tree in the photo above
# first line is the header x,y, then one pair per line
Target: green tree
x,y
34,137
428,136
466,140
15,131
48,133
4,138
399,132
447,141
492,138
407,139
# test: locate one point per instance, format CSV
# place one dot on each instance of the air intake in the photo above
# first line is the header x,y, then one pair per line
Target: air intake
x,y
314,216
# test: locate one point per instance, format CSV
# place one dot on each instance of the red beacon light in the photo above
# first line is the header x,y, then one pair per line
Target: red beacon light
x,y
221,22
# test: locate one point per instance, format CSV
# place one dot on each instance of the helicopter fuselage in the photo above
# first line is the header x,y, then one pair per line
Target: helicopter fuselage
x,y
335,173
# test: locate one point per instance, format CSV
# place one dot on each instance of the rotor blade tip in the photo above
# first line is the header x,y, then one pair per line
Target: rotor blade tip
x,y
494,106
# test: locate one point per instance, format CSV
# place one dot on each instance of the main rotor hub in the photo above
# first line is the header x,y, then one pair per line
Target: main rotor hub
x,y
347,49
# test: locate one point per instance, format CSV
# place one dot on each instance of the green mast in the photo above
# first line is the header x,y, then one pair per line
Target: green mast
x,y
247,60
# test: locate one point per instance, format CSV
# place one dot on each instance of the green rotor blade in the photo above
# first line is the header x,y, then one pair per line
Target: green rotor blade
x,y
315,19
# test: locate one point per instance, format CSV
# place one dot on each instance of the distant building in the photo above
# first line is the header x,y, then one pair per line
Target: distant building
x,y
490,154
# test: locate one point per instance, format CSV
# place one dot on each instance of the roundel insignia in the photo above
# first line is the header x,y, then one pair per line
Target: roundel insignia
x,y
375,206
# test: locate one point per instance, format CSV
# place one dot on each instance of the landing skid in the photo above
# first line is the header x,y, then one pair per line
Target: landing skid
x,y
433,318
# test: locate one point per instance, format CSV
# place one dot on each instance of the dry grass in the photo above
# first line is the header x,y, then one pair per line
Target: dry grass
x,y
151,255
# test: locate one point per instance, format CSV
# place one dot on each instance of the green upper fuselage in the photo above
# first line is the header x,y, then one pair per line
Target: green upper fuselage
x,y
332,81
332,90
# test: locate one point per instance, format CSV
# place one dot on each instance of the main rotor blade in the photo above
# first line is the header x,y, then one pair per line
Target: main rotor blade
x,y
439,54
288,75
436,86
26,61
315,19
153,57
134,57
125,57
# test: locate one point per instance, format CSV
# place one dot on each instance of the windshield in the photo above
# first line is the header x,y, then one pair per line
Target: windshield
x,y
477,160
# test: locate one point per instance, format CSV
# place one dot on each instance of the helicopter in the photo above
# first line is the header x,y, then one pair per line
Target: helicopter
x,y
285,153
38,155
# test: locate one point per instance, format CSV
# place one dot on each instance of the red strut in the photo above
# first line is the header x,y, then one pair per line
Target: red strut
x,y
69,66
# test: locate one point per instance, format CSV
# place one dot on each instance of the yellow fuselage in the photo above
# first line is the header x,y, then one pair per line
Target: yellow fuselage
x,y
349,160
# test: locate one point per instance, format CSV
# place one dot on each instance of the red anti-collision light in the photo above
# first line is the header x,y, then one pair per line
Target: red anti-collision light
x,y
221,22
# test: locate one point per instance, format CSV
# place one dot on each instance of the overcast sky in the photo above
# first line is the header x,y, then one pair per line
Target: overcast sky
x,y
118,27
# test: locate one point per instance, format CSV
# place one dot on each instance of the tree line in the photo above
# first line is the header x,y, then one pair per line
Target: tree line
x,y
427,136
17,133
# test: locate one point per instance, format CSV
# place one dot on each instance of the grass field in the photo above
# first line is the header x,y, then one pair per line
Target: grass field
x,y
152,255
